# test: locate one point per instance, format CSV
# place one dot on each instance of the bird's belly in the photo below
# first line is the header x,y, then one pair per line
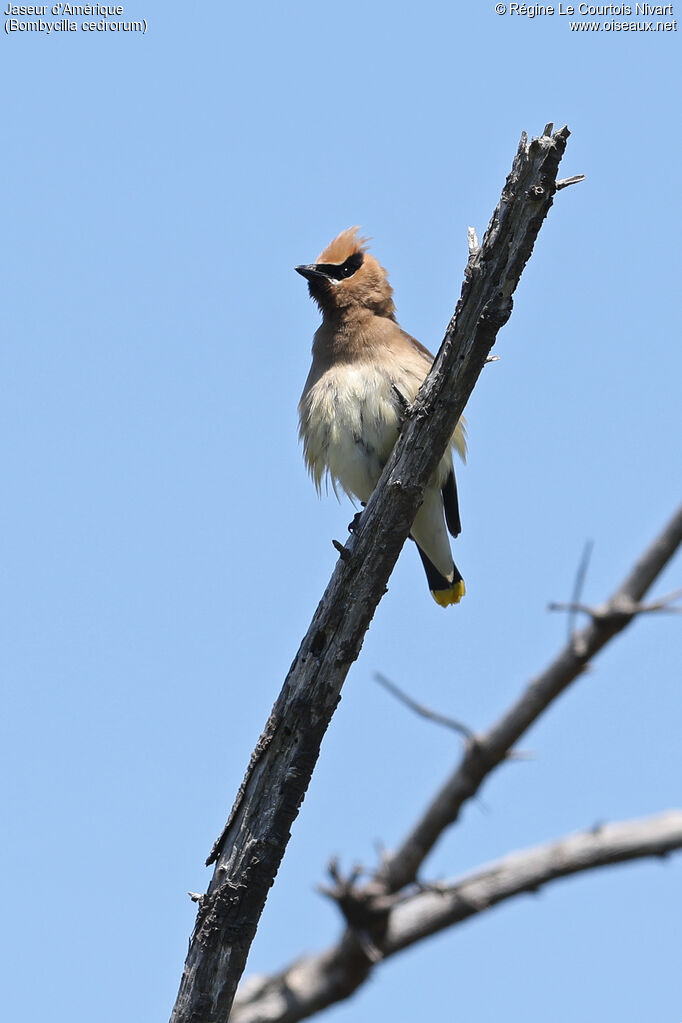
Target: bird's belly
x,y
351,426
356,458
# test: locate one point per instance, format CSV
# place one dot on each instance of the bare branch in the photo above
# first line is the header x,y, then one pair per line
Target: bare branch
x,y
341,550
661,605
526,871
483,754
565,182
423,711
314,982
249,851
573,608
580,577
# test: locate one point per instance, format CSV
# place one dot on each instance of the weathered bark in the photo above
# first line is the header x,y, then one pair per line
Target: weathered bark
x,y
250,849
314,982
383,917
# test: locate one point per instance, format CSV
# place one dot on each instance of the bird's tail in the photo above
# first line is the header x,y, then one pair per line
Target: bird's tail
x,y
431,536
444,590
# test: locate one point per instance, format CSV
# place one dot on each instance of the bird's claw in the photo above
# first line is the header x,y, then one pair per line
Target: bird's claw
x,y
354,526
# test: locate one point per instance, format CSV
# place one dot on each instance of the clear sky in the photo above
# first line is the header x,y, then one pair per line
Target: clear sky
x,y
163,550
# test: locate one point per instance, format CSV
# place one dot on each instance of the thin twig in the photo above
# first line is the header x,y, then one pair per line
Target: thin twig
x,y
472,241
342,551
662,604
625,608
578,585
565,182
421,709
558,605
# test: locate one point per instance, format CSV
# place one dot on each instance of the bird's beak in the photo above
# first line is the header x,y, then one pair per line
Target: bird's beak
x,y
311,272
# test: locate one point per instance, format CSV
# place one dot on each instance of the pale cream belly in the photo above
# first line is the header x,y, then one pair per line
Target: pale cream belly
x,y
349,425
357,462
349,422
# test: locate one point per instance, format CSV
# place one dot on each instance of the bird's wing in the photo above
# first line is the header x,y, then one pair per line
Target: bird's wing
x,y
459,437
451,505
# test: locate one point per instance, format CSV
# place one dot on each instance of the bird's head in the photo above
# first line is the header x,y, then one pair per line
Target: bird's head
x,y
347,275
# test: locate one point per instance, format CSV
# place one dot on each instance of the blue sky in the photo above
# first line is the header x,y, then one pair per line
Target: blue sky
x,y
163,550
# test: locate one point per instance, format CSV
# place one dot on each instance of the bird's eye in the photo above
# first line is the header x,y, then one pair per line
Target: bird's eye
x,y
352,264
339,271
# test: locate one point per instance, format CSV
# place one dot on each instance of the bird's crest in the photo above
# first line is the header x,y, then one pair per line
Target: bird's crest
x,y
343,246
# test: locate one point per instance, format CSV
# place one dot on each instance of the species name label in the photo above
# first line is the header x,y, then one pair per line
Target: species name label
x,y
58,18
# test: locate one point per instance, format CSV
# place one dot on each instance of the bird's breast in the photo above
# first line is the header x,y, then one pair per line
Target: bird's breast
x,y
350,421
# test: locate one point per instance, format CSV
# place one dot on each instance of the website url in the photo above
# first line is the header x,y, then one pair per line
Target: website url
x,y
623,26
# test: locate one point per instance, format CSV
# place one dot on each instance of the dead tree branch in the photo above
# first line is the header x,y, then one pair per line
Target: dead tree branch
x,y
421,709
314,982
486,751
317,981
250,849
578,585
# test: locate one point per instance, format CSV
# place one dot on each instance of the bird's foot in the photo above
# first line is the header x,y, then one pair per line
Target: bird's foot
x,y
354,526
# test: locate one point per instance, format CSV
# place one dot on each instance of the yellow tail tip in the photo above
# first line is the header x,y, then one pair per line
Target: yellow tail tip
x,y
451,596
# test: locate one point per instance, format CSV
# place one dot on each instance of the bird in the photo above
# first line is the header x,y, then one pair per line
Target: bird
x,y
365,373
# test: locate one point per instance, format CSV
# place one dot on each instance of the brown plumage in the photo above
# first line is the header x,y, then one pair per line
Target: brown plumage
x,y
366,370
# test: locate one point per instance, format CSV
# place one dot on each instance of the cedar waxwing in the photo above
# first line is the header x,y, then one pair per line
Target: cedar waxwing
x,y
366,371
